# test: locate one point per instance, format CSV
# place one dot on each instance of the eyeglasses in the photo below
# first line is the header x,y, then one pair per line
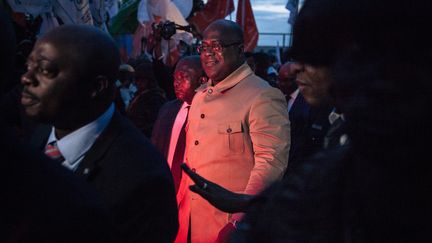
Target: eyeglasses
x,y
215,47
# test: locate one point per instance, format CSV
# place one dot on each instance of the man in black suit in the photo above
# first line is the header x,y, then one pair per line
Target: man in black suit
x,y
309,124
169,134
41,201
69,85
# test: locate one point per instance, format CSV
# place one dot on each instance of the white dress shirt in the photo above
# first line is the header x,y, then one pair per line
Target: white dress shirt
x,y
293,96
175,133
75,145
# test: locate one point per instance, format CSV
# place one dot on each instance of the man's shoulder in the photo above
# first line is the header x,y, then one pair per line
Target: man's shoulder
x,y
254,82
259,88
125,135
172,104
126,151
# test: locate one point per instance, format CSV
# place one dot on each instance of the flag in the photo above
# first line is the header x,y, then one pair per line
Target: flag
x,y
292,6
184,6
112,7
35,8
277,54
99,13
213,10
125,22
124,43
245,18
73,12
49,22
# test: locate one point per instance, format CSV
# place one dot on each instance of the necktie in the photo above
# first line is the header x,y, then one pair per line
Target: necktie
x,y
52,151
179,154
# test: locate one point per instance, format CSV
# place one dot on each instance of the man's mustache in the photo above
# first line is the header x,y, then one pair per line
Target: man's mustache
x,y
29,93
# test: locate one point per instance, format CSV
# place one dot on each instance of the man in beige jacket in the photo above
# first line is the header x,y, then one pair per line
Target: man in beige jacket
x,y
238,131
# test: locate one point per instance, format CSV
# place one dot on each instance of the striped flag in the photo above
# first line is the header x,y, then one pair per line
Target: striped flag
x,y
245,18
73,12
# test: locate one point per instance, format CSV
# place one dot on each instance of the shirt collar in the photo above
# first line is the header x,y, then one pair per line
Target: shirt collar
x,y
74,145
230,81
333,116
184,105
294,94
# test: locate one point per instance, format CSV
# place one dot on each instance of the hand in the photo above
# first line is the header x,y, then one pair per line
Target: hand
x,y
216,195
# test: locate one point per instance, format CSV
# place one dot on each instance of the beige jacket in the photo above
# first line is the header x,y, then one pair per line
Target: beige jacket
x,y
237,136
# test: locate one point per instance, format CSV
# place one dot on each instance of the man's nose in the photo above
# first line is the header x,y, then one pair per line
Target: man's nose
x,y
27,78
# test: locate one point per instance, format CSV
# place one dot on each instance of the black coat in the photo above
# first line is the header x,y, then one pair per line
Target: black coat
x,y
162,129
309,125
44,202
134,182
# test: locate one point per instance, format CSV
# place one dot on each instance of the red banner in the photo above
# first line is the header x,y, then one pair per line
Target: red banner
x,y
213,10
245,18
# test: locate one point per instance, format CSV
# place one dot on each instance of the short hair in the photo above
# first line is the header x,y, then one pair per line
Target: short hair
x,y
145,69
90,46
195,61
231,29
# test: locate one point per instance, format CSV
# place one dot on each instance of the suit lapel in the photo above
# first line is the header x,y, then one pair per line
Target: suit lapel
x,y
171,116
40,136
92,161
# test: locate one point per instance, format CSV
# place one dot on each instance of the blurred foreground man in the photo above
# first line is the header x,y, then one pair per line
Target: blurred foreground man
x,y
69,85
238,132
309,123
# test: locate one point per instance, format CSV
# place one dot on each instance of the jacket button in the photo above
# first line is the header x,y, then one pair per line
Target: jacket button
x,y
229,130
210,91
196,142
202,116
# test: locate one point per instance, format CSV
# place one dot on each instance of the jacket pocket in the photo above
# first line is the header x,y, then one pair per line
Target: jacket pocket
x,y
233,135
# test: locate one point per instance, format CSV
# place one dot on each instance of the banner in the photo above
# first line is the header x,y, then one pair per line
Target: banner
x,y
73,11
213,10
35,8
245,18
125,22
112,7
184,6
99,13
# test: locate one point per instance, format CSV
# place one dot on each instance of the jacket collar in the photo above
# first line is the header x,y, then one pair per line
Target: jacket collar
x,y
91,163
230,81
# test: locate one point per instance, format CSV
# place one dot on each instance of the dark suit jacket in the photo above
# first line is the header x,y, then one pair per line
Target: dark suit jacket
x,y
44,202
134,181
309,125
162,129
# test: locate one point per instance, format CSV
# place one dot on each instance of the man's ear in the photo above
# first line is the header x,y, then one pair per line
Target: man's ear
x,y
101,85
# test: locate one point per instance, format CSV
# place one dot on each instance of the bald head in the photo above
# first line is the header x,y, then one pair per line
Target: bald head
x,y
91,50
187,77
231,30
287,78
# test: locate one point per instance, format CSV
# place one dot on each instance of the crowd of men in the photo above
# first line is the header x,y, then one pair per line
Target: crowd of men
x,y
330,147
